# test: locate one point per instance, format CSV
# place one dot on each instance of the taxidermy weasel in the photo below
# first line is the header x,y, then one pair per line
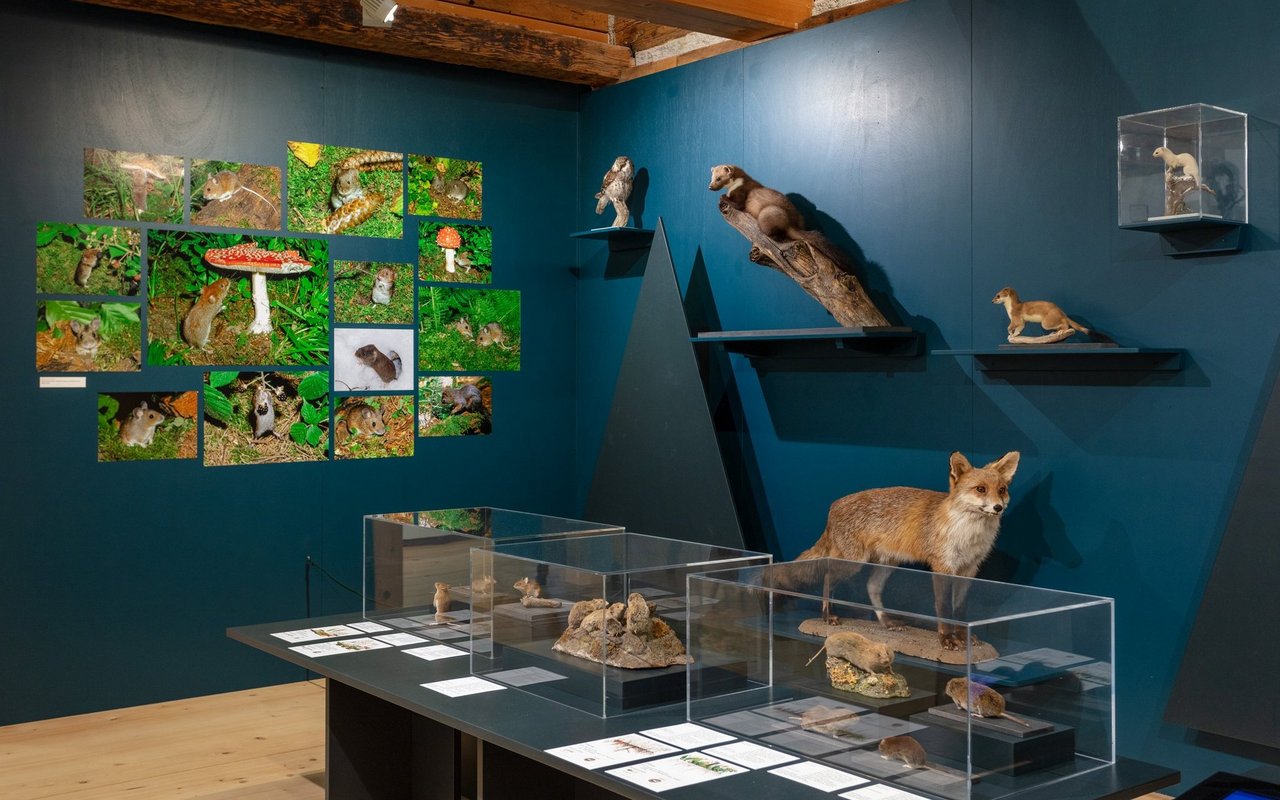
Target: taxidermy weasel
x,y
1184,161
777,216
1050,317
953,532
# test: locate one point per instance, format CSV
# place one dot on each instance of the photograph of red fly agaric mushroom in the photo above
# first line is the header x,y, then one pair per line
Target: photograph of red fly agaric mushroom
x,y
227,299
265,417
445,187
455,253
345,190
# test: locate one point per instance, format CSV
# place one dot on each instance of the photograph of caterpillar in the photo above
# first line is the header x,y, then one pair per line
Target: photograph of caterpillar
x,y
345,190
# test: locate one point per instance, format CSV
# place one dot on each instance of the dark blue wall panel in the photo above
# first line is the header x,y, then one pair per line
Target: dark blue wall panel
x,y
118,580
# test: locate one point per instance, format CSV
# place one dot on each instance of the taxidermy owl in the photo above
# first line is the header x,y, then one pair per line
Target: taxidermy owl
x,y
616,188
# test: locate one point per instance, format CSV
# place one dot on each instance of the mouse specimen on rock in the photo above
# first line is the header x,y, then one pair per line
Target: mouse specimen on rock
x,y
263,414
980,700
139,429
88,260
387,365
199,320
226,184
531,594
383,284
88,336
1050,317
858,650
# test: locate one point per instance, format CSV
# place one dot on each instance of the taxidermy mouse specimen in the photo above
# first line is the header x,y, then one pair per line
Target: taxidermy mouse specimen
x,y
1050,317
139,430
492,334
528,587
463,399
953,532
858,650
387,366
346,188
88,260
979,700
225,184
362,418
88,336
199,320
442,599
264,413
383,284
1184,161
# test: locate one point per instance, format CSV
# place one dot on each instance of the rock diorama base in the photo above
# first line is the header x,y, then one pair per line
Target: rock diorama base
x,y
917,642
628,636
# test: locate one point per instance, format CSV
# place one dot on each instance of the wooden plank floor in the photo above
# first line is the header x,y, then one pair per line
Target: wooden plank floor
x,y
257,744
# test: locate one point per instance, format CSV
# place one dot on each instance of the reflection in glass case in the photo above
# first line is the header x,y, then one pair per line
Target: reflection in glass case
x,y
1025,699
1183,165
416,562
594,622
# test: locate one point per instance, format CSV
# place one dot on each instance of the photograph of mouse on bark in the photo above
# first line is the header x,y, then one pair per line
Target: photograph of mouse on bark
x,y
87,259
140,187
455,253
229,194
228,299
445,187
146,426
373,427
373,292
265,417
468,330
345,190
455,405
88,337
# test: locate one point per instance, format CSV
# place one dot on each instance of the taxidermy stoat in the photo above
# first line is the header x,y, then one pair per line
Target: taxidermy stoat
x,y
1048,314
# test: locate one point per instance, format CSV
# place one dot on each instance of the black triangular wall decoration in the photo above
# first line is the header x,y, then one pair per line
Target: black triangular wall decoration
x,y
659,470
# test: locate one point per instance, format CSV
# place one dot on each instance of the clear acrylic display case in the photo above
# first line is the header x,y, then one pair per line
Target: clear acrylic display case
x,y
516,648
1182,166
1047,655
407,553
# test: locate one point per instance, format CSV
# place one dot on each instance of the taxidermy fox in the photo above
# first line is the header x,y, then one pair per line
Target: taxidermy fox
x,y
952,532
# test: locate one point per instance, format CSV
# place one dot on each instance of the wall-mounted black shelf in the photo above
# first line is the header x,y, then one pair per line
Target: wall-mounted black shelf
x,y
618,238
816,342
1072,358
1193,234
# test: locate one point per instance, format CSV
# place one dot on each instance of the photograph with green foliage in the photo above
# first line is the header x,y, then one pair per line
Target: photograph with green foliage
x,y
265,417
455,405
229,194
445,187
88,259
200,311
133,186
345,190
88,337
468,330
373,292
373,427
455,253
146,426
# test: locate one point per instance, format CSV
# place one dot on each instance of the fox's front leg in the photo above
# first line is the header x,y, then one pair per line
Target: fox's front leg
x,y
949,592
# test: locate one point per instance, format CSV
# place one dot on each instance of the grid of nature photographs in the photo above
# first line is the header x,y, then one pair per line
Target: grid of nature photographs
x,y
280,383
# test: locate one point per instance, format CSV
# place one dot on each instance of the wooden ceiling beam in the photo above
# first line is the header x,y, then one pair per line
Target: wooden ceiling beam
x,y
531,12
740,20
642,35
447,37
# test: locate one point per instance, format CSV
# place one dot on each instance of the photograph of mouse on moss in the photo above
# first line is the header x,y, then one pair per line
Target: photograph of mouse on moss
x,y
88,337
455,253
227,299
373,427
455,405
88,259
140,187
468,330
146,426
374,292
440,186
345,190
229,194
265,417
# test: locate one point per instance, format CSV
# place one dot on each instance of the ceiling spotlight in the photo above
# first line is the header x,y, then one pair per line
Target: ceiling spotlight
x,y
379,13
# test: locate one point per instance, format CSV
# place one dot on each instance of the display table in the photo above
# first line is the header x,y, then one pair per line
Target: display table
x,y
389,737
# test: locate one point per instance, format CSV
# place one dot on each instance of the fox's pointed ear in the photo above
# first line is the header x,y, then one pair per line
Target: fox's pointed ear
x,y
959,466
1007,465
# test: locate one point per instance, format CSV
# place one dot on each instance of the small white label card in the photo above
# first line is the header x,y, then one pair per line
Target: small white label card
x,y
525,676
879,791
459,687
609,752
676,771
688,736
816,776
435,652
751,756
445,634
336,648
400,639
370,627
311,634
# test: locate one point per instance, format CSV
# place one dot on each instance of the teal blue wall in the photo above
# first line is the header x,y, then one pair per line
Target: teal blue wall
x,y
118,581
962,145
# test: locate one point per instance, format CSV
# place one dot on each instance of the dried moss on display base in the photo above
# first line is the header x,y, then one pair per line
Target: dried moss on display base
x,y
627,635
